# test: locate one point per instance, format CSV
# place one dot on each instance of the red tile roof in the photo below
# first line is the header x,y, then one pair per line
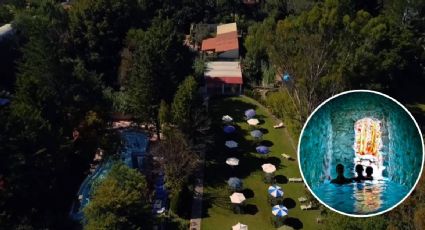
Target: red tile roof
x,y
225,80
221,43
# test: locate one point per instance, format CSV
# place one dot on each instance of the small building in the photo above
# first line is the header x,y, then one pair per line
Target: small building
x,y
227,28
223,78
225,44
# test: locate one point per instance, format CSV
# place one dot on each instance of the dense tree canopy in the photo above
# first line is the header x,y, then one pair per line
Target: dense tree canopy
x,y
120,201
184,101
176,159
98,28
159,64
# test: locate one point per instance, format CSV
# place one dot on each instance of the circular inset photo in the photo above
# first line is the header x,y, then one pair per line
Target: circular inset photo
x,y
361,153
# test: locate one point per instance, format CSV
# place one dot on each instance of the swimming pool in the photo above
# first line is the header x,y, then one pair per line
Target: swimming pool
x,y
361,198
132,153
134,148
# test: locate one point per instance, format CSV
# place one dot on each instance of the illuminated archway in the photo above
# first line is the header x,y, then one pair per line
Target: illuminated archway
x,y
367,145
368,137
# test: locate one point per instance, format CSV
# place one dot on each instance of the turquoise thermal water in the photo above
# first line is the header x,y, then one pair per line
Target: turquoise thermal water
x,y
328,139
362,198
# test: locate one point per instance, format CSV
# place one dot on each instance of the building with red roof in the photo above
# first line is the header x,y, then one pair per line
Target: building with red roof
x,y
223,77
225,44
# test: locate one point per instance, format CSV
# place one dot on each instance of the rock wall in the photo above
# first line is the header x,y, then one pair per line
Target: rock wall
x,y
316,148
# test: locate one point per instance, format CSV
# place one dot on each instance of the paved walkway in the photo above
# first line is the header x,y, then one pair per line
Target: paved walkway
x,y
195,221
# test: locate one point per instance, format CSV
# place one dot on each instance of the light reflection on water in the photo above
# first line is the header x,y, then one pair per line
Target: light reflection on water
x,y
361,198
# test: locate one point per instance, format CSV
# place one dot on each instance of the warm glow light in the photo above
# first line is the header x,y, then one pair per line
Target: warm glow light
x,y
368,137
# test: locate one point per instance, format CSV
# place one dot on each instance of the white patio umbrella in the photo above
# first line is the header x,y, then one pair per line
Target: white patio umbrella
x,y
240,226
237,198
232,161
268,168
253,121
231,144
227,118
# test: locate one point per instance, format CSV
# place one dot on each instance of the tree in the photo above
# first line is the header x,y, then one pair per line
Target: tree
x,y
256,44
307,58
184,102
53,95
158,66
176,159
386,58
276,9
119,201
336,221
164,113
98,28
420,218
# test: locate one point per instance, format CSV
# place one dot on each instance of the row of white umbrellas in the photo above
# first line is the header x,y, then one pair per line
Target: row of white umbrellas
x,y
252,121
274,190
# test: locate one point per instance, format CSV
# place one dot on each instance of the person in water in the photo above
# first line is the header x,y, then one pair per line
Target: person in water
x,y
369,172
359,171
340,179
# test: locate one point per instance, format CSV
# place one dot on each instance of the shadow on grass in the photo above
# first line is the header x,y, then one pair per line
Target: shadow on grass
x,y
273,160
281,179
266,143
263,130
248,193
289,203
250,209
294,223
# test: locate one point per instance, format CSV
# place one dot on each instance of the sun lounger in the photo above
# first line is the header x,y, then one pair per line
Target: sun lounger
x,y
280,125
302,199
292,179
286,156
306,207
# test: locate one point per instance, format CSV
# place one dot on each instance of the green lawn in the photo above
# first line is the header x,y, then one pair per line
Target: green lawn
x,y
217,213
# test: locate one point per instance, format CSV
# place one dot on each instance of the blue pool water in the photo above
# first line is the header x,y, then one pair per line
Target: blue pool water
x,y
361,198
132,153
134,148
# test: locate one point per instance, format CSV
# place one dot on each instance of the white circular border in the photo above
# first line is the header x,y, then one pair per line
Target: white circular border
x,y
357,91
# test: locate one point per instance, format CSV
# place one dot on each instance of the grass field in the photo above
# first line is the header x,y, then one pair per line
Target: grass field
x,y
217,213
